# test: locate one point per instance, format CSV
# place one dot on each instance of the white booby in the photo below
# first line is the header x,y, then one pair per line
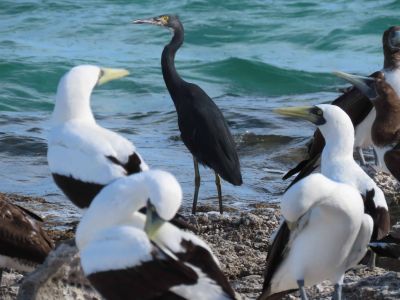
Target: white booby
x,y
126,255
23,242
84,157
324,233
358,107
337,162
385,130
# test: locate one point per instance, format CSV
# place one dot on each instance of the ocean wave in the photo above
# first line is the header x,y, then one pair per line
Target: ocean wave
x,y
257,77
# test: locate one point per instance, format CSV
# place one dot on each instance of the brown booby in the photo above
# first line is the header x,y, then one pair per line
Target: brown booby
x,y
357,106
128,255
204,130
23,242
385,130
324,233
83,156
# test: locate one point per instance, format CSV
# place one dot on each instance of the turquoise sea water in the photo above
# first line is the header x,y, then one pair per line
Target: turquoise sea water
x,y
250,56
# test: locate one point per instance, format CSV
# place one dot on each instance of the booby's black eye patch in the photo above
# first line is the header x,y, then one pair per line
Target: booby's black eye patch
x,y
101,74
320,120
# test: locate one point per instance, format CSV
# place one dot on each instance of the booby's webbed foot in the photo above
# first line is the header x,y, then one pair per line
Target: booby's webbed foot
x,y
303,293
337,294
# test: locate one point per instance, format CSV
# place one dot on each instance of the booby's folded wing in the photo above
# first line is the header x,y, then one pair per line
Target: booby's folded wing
x,y
21,235
90,153
151,279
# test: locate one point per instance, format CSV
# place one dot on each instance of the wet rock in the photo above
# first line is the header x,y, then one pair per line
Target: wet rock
x,y
60,277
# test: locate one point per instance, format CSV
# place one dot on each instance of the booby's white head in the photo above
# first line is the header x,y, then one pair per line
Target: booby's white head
x,y
163,203
334,124
75,88
117,203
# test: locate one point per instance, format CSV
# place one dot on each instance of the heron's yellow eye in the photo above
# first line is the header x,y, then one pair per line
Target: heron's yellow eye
x,y
165,19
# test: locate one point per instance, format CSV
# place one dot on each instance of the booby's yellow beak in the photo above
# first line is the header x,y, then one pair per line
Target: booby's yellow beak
x,y
108,74
361,82
309,113
153,221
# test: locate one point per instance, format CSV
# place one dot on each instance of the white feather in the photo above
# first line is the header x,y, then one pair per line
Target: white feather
x,y
328,217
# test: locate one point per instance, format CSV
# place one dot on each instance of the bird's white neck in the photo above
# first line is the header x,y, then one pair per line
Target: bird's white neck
x,y
72,103
339,138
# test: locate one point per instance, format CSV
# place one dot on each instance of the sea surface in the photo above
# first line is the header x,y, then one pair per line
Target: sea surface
x,y
249,56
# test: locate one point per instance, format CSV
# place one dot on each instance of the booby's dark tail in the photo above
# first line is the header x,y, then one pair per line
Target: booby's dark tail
x,y
389,246
274,259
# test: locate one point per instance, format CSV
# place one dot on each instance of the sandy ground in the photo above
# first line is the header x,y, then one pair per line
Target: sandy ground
x,y
240,241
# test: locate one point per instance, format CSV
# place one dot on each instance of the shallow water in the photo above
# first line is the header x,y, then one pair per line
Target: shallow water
x,y
250,57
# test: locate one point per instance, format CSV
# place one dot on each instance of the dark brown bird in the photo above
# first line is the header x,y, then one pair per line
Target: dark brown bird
x,y
385,131
358,107
23,242
204,130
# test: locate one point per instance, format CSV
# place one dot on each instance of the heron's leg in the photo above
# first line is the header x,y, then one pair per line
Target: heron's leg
x,y
372,259
337,294
361,155
303,293
218,184
1,275
196,184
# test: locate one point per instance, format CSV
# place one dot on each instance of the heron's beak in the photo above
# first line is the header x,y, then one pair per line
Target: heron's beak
x,y
108,74
153,221
302,112
153,21
361,82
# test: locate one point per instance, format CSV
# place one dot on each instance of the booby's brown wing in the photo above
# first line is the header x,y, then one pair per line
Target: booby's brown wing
x,y
148,280
356,105
392,161
21,235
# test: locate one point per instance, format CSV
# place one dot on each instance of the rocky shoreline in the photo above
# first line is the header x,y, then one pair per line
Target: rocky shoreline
x,y
239,239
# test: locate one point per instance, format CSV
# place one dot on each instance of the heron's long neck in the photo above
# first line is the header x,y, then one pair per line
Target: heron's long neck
x,y
171,76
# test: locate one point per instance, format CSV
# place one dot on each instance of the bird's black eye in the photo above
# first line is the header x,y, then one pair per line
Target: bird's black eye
x,y
319,112
100,74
